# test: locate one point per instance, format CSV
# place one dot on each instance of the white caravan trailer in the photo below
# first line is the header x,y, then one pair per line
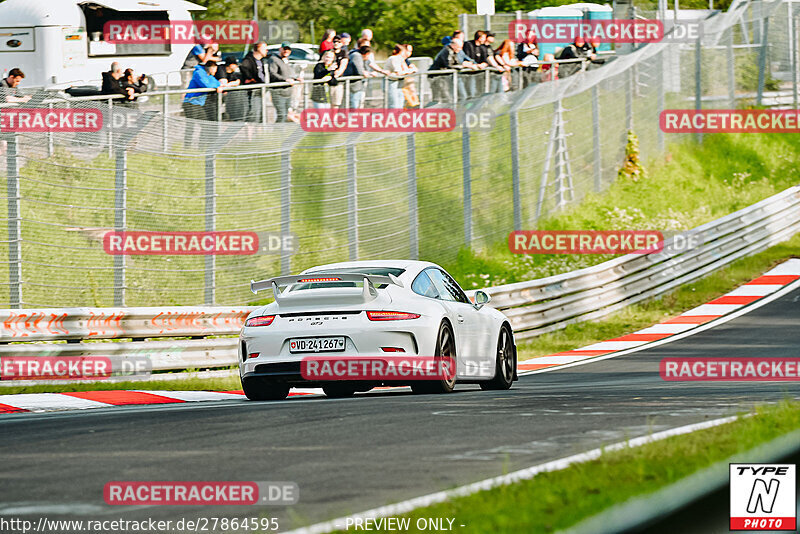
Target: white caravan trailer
x,y
58,43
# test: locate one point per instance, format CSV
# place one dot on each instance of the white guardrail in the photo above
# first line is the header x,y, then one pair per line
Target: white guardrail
x,y
533,307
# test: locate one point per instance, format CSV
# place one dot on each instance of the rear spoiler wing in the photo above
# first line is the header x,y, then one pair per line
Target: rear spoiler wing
x,y
369,281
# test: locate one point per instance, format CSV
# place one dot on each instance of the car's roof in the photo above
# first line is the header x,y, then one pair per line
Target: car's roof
x,y
411,266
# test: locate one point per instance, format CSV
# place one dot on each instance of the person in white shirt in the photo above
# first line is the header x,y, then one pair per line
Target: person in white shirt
x,y
396,66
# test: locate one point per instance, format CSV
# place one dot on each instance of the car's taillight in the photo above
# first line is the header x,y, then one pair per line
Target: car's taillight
x,y
390,315
254,355
328,279
263,320
393,349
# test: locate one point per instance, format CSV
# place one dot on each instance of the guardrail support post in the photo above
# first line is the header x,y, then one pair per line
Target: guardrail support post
x,y
352,201
467,172
211,226
597,162
413,216
762,61
514,128
14,224
120,220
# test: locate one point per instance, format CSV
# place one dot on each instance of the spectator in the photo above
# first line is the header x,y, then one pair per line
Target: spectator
x,y
366,34
576,50
477,52
198,55
549,69
254,71
9,87
528,48
280,71
505,55
324,71
446,59
446,40
357,67
112,83
236,102
346,39
327,41
495,61
410,84
139,85
201,106
341,58
593,54
396,66
369,61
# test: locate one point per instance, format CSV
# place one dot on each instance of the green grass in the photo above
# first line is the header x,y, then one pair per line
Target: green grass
x,y
555,500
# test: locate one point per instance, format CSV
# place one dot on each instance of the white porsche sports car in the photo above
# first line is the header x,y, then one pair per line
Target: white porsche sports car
x,y
372,308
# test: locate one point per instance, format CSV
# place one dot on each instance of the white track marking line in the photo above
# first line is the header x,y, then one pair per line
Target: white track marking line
x,y
791,267
523,474
192,396
557,360
788,288
36,402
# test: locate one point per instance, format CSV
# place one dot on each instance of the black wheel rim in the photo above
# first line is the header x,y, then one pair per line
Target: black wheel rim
x,y
505,356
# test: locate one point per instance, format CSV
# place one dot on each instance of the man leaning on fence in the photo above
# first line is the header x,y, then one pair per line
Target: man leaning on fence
x,y
254,71
279,72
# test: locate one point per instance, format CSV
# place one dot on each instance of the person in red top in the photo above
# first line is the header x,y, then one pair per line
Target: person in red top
x,y
327,41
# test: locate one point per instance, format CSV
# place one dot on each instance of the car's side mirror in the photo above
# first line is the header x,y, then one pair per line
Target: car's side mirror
x,y
481,298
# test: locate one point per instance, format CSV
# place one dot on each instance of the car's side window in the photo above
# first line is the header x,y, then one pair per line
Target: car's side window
x,y
422,285
454,289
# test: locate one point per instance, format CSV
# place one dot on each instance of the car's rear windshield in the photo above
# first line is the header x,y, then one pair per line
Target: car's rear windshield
x,y
382,271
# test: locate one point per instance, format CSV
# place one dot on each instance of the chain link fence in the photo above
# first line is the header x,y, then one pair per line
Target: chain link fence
x,y
350,196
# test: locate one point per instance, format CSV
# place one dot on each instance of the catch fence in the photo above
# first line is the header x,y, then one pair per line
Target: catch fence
x,y
350,196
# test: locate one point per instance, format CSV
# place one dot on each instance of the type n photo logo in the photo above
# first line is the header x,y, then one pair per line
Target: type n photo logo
x,y
763,497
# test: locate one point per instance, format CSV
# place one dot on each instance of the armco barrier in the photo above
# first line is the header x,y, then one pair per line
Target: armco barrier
x,y
534,307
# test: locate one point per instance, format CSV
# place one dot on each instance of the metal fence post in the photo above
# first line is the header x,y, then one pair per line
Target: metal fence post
x,y
463,22
455,87
50,136
598,170
661,96
165,123
731,70
762,61
110,127
14,224
286,206
120,220
413,216
514,128
263,105
211,226
629,101
352,201
793,23
467,172
487,22
698,80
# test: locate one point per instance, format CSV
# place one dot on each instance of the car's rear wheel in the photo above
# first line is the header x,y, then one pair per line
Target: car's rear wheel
x,y
260,389
445,350
339,391
505,362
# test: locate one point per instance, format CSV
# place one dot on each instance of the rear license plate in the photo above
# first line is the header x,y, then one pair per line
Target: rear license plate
x,y
317,344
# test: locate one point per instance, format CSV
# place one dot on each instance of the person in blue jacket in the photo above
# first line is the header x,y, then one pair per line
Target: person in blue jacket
x,y
202,106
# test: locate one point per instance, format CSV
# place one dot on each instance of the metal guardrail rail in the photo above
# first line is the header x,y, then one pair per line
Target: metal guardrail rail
x,y
534,307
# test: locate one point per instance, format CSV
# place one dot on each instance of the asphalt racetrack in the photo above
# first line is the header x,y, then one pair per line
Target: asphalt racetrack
x,y
351,455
